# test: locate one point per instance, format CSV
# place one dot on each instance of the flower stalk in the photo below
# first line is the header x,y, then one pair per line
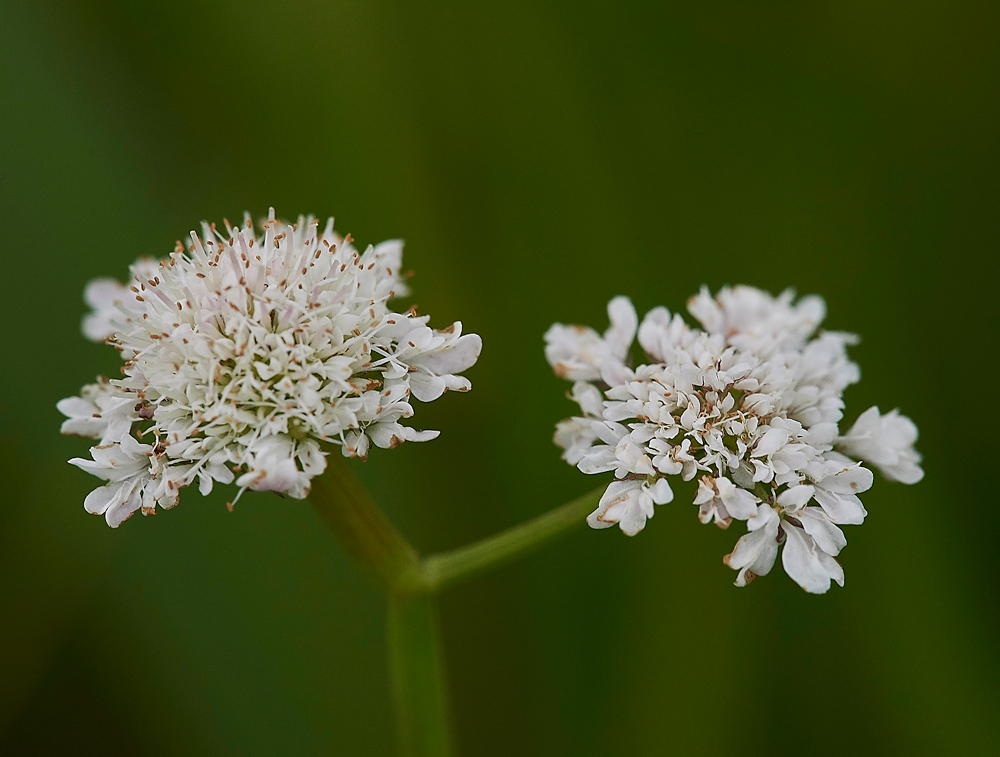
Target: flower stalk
x,y
420,691
364,531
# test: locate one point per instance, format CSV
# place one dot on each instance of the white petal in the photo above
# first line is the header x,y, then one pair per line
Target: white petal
x,y
827,536
624,322
460,357
842,508
796,496
740,503
426,387
99,499
806,564
661,492
121,508
773,440
412,435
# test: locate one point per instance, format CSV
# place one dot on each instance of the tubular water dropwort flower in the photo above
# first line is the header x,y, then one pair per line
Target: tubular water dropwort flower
x,y
250,355
751,403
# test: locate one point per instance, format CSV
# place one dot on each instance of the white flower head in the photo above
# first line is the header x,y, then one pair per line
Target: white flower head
x,y
751,402
255,353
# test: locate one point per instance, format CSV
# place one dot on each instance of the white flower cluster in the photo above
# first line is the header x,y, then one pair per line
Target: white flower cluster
x,y
249,353
751,403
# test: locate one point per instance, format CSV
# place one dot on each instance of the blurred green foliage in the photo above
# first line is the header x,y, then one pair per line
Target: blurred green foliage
x,y
538,158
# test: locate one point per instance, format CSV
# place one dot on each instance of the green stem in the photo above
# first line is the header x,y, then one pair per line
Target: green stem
x,y
411,583
417,664
362,529
450,567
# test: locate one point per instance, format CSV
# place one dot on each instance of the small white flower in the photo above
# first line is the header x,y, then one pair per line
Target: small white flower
x,y
808,565
107,297
885,441
579,353
125,465
274,468
755,552
720,499
838,487
98,413
752,402
255,353
629,504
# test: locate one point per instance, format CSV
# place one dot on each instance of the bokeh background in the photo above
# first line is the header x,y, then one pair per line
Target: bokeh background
x,y
538,158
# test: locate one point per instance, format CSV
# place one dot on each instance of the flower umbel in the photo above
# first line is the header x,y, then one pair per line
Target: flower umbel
x,y
751,403
254,354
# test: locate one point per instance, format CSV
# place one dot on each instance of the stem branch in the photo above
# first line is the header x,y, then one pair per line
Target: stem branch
x,y
450,567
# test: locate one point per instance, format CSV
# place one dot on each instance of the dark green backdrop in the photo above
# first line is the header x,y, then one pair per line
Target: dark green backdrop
x,y
538,158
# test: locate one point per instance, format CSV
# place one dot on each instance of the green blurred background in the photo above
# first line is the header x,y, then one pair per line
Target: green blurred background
x,y
538,158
